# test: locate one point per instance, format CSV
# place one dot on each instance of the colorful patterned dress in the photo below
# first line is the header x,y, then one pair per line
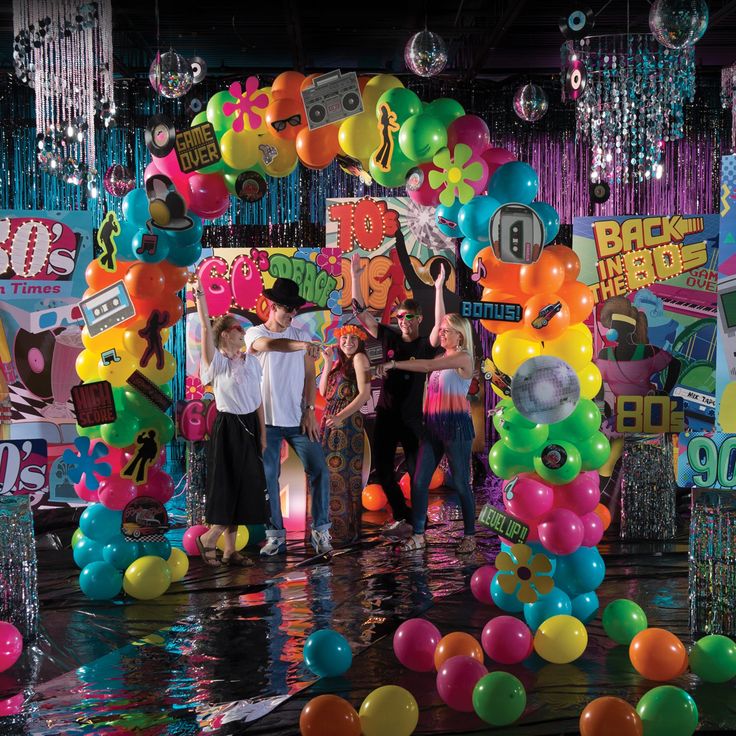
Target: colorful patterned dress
x,y
343,447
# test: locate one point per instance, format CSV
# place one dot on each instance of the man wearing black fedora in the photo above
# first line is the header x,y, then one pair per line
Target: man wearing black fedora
x,y
288,388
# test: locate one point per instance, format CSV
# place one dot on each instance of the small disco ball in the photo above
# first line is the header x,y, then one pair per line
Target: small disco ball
x,y
678,23
118,180
545,389
425,54
171,75
530,102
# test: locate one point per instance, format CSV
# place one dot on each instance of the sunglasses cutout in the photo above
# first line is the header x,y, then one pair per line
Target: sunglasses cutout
x,y
279,125
406,316
445,221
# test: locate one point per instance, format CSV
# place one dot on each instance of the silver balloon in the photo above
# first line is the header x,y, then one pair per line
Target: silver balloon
x,y
530,102
545,389
171,74
678,23
425,54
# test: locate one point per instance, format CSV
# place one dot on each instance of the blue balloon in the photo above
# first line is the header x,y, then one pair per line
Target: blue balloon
x,y
469,249
156,549
506,602
327,653
100,523
150,255
100,581
446,219
555,603
585,606
581,572
474,219
120,553
185,255
124,241
135,207
514,182
550,219
85,551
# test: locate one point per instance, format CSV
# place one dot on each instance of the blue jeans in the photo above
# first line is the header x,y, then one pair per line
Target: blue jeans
x,y
431,450
313,460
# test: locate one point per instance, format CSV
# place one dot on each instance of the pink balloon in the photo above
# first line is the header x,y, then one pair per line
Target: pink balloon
x,y
11,645
151,169
470,130
593,529
581,495
209,195
85,494
161,458
425,195
159,485
507,640
495,158
115,457
560,531
456,680
12,706
414,644
116,493
480,584
191,535
169,166
530,497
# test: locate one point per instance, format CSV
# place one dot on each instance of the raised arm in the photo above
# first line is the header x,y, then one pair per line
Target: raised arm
x,y
409,273
364,316
363,379
208,342
326,368
439,306
309,422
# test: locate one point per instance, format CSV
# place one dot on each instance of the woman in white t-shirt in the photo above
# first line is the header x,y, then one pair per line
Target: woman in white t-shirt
x,y
236,484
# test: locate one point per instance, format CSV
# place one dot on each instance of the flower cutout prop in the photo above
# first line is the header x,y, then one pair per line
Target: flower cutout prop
x,y
333,302
86,463
524,574
328,259
305,254
249,101
193,388
462,175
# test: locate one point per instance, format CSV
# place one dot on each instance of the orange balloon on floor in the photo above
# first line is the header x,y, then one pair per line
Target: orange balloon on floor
x,y
438,479
658,654
603,514
455,644
405,485
329,715
374,499
609,716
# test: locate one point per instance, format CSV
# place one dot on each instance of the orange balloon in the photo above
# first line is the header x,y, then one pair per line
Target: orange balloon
x,y
579,300
374,499
280,115
546,316
658,654
144,279
454,644
438,479
98,278
317,148
498,326
287,84
496,274
547,274
603,514
307,81
328,715
568,258
609,716
176,276
405,485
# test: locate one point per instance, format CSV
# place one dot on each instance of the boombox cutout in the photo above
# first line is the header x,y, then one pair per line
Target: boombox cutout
x,y
332,97
516,234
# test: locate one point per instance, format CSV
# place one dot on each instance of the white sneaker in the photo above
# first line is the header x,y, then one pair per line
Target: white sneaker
x,y
321,541
274,546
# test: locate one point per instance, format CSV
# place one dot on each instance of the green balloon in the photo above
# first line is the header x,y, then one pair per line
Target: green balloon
x,y
401,101
668,711
421,136
524,439
505,462
76,537
256,534
594,451
623,620
215,115
558,462
584,421
713,658
499,698
396,176
92,432
199,118
122,432
446,109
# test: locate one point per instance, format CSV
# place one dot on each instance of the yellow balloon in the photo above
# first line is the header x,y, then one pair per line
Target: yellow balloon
x,y
561,639
389,711
112,338
147,578
241,539
117,371
160,376
86,365
511,349
573,347
583,329
590,381
135,344
240,150
178,563
358,135
375,87
285,160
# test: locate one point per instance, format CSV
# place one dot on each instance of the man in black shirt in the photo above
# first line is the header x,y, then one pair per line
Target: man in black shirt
x,y
399,409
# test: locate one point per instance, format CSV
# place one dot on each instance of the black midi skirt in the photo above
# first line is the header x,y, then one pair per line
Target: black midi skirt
x,y
236,484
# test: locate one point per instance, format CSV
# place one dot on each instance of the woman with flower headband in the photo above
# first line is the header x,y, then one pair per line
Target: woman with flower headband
x,y
346,385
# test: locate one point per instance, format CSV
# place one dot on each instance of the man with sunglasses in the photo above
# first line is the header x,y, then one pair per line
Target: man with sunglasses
x,y
399,408
288,388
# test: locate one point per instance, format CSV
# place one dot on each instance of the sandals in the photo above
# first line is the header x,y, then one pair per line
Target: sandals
x,y
414,543
238,560
208,554
467,545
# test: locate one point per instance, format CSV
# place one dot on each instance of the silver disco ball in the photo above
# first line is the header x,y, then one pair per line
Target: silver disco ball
x,y
678,23
425,54
530,102
171,74
545,389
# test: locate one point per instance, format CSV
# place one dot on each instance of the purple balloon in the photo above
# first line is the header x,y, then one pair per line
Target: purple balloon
x,y
507,640
456,680
495,158
560,531
480,584
470,130
414,644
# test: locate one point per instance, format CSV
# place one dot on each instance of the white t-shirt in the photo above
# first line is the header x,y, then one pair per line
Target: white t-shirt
x,y
282,383
236,382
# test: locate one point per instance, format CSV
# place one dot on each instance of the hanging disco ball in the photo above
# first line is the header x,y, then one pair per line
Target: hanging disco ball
x,y
530,102
425,54
171,75
678,23
118,180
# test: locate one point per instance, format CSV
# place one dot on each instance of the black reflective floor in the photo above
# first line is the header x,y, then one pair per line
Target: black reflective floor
x,y
221,652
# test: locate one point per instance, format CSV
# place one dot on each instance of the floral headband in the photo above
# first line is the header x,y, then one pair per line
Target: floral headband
x,y
351,330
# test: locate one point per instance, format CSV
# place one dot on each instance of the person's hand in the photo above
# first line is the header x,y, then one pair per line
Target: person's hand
x,y
328,354
309,425
264,442
440,280
333,420
312,349
384,368
355,268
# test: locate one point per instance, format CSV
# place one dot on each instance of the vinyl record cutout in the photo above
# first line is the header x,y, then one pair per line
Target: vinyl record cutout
x,y
199,69
600,192
33,353
576,77
160,135
251,186
414,179
195,105
545,389
577,23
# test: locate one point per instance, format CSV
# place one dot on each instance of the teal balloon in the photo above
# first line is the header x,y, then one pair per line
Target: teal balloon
x,y
185,255
135,207
585,606
550,219
446,109
506,463
100,581
469,249
86,551
569,468
623,619
668,711
555,603
594,451
156,549
475,218
514,182
121,553
446,219
401,101
327,653
421,136
159,252
124,241
713,658
506,602
219,120
582,424
499,698
396,176
100,523
524,439
580,572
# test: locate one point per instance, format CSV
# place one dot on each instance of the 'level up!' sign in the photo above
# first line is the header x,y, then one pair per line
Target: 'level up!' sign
x,y
504,525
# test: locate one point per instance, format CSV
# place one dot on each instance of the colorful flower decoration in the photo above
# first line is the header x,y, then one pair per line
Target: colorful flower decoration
x,y
305,254
328,259
248,102
86,463
193,388
260,258
455,174
333,302
524,574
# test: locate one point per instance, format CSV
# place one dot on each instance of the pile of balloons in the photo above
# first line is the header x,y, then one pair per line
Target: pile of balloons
x,y
374,497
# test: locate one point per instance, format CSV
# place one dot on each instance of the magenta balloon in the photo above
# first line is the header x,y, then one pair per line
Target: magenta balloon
x,y
11,645
159,485
151,169
581,495
495,158
530,498
189,540
560,531
592,529
115,457
456,680
425,195
480,584
12,706
116,493
84,493
209,195
507,640
470,130
414,644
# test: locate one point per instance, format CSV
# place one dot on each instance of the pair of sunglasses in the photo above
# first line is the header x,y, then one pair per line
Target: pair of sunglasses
x,y
406,316
279,125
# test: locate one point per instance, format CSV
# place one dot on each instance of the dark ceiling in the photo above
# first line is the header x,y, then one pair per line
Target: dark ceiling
x,y
489,39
